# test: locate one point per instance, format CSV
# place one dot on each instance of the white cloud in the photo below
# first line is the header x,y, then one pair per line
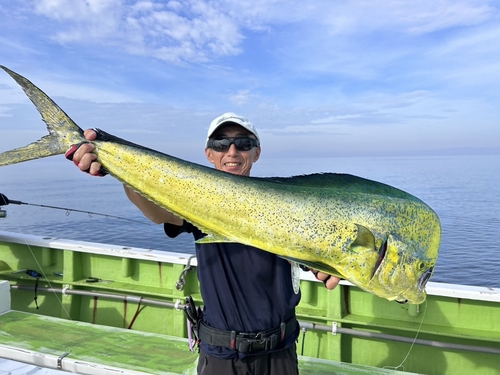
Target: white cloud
x,y
242,97
83,21
443,15
417,17
74,10
196,31
192,31
12,93
337,118
355,69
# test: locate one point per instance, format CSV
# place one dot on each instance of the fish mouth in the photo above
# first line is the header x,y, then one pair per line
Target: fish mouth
x,y
422,281
424,278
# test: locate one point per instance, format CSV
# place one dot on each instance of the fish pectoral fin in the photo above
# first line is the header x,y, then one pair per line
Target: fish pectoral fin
x,y
364,240
318,266
210,238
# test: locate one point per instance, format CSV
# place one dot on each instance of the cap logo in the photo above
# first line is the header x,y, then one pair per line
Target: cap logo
x,y
225,118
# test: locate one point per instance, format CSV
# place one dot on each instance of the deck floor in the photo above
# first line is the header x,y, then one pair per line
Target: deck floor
x,y
137,352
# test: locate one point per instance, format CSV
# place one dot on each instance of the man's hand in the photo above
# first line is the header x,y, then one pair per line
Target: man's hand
x,y
330,281
83,157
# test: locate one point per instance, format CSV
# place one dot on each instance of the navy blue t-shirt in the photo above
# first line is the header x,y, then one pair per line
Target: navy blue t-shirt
x,y
243,288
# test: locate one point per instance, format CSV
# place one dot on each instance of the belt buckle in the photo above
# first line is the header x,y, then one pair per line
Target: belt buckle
x,y
260,336
248,344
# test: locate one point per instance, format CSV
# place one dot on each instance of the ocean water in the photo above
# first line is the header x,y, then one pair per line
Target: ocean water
x,y
463,190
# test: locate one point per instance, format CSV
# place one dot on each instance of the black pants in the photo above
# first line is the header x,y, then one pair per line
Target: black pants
x,y
283,362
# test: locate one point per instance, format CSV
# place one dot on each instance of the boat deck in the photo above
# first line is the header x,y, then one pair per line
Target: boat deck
x,y
86,348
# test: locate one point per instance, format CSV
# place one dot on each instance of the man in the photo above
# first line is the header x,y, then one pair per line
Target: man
x,y
244,289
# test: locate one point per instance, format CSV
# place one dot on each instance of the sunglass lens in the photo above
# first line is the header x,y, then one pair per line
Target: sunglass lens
x,y
241,144
220,145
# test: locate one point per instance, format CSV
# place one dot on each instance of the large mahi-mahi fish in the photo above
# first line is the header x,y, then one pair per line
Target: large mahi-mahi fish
x,y
380,238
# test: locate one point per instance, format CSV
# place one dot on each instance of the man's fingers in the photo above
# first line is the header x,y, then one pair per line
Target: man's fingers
x,y
86,162
90,134
330,281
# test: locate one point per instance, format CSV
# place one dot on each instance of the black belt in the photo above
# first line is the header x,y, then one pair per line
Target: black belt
x,y
247,342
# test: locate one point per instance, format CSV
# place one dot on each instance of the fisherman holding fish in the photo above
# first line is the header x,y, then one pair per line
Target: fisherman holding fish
x,y
248,325
378,237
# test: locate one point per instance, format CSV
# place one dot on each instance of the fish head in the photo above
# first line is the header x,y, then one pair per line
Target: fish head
x,y
405,265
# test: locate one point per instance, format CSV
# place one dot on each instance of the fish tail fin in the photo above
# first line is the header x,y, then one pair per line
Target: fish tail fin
x,y
63,132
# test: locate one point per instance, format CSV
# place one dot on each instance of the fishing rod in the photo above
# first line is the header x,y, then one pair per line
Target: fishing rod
x,y
5,201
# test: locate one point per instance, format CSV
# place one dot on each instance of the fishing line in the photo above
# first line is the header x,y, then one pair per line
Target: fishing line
x,y
7,201
400,366
56,295
69,210
42,273
39,266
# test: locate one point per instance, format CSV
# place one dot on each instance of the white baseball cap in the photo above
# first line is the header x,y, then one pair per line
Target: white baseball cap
x,y
232,117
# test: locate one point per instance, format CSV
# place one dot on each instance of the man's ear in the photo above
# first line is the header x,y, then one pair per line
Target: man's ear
x,y
256,155
209,155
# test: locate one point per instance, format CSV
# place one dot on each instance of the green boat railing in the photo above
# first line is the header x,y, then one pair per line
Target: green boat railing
x,y
456,331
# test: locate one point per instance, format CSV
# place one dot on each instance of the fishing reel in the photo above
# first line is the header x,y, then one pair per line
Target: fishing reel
x,y
4,201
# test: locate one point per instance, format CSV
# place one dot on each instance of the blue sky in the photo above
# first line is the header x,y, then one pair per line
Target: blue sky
x,y
318,78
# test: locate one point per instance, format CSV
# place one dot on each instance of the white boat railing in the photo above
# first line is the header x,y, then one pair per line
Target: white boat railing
x,y
433,288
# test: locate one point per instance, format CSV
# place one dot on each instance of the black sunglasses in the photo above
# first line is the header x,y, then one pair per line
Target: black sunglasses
x,y
241,143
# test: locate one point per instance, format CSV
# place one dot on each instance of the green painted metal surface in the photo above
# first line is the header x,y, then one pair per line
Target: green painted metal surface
x,y
443,319
315,366
139,351
132,350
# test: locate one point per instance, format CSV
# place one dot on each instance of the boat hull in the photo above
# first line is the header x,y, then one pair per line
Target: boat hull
x,y
456,331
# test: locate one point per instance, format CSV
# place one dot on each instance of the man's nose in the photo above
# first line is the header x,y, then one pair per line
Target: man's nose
x,y
232,149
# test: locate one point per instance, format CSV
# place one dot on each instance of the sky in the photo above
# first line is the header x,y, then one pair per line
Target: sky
x,y
318,78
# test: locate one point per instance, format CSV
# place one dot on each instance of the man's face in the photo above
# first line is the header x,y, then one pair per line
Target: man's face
x,y
233,161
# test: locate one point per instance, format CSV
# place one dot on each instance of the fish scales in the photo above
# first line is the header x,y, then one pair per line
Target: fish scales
x,y
380,238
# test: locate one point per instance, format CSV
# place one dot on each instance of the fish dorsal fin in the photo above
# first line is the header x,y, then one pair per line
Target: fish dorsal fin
x,y
339,181
364,240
